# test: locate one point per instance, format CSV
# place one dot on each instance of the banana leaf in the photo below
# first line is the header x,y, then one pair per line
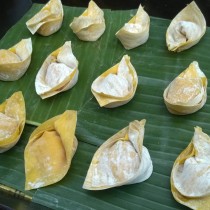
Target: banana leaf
x,y
166,135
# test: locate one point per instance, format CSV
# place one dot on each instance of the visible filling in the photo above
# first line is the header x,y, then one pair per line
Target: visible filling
x,y
117,85
114,85
8,126
184,91
116,164
184,31
56,73
192,178
7,57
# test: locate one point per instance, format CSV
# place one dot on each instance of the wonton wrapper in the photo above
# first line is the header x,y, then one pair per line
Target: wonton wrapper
x,y
190,174
90,25
58,73
15,61
187,93
117,85
186,29
12,121
48,20
121,160
50,150
136,31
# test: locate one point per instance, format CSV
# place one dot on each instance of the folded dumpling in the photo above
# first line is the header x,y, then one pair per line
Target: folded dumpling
x,y
190,175
187,93
121,160
90,25
48,20
50,150
186,29
117,85
15,61
136,31
12,121
58,73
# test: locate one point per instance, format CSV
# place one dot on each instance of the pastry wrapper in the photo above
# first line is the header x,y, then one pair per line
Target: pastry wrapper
x,y
58,73
12,121
48,20
90,25
186,29
190,174
117,85
50,150
187,93
15,61
121,160
136,31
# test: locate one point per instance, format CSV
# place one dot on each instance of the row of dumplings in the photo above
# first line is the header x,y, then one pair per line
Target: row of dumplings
x,y
90,25
117,85
186,94
120,160
185,30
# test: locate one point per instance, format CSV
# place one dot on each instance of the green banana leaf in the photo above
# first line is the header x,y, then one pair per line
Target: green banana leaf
x,y
166,135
